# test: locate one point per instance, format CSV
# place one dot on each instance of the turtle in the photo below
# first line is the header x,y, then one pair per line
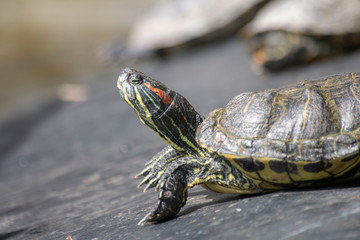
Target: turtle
x,y
170,26
301,135
287,32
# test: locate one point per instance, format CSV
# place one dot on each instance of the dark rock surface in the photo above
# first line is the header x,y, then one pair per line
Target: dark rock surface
x,y
72,174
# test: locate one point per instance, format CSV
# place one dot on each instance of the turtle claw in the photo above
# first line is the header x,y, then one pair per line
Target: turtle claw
x,y
149,162
157,187
143,222
155,168
152,177
145,180
153,183
150,217
156,215
143,172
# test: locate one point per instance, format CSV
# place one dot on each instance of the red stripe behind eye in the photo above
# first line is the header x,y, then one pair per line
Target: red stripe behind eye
x,y
167,100
163,95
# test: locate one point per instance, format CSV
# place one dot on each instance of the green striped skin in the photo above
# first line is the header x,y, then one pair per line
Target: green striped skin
x,y
172,117
183,164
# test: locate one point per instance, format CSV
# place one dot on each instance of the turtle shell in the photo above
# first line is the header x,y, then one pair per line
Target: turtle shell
x,y
177,23
290,136
287,32
318,18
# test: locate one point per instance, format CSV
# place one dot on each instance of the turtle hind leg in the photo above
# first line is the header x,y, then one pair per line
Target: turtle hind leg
x,y
187,172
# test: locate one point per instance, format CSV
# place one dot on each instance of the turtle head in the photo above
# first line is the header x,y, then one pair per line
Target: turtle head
x,y
140,92
166,112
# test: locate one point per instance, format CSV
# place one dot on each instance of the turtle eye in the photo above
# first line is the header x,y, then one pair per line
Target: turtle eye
x,y
135,79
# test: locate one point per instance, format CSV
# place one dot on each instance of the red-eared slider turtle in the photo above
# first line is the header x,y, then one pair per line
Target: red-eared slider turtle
x,y
287,32
302,135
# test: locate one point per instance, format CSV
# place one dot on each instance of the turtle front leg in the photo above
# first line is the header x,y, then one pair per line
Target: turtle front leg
x,y
172,197
188,172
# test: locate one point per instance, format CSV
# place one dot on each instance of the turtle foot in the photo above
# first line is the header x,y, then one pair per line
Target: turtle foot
x,y
153,216
172,197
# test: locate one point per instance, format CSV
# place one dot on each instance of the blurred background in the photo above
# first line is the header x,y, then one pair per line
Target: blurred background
x,y
52,49
47,44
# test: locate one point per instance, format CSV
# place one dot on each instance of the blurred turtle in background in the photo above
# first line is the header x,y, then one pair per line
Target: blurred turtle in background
x,y
177,24
287,32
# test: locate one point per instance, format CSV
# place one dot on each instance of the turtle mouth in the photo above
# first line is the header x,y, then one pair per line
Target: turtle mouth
x,y
126,92
121,92
119,85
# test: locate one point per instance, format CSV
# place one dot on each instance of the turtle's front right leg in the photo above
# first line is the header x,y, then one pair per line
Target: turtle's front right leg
x,y
188,172
156,167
